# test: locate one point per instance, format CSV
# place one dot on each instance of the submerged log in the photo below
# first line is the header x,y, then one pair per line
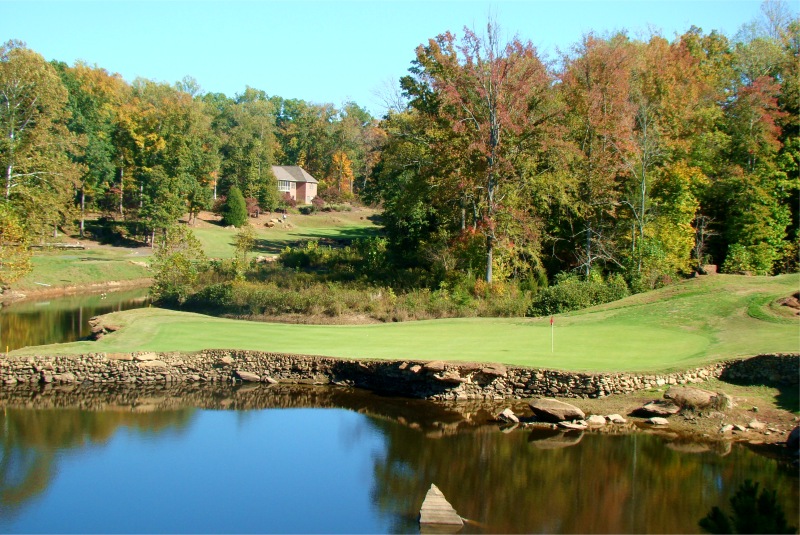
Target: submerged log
x,y
437,515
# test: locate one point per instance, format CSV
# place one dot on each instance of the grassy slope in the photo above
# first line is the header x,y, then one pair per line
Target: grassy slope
x,y
218,241
77,268
688,324
104,263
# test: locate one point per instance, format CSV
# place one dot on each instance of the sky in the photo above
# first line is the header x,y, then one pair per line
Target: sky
x,y
322,51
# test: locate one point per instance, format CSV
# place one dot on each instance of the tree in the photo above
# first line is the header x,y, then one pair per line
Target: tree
x,y
235,210
244,241
752,513
177,261
595,86
15,255
498,98
37,175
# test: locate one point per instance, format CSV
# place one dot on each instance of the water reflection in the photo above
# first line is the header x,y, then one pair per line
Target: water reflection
x,y
171,460
61,319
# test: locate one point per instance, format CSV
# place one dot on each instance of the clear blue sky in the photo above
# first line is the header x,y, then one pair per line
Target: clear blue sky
x,y
323,51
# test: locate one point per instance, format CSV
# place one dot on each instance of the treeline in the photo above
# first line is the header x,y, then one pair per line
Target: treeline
x,y
644,159
80,138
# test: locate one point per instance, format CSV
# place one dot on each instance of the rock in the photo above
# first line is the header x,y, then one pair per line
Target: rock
x,y
269,380
793,442
494,370
659,408
596,420
726,429
435,366
575,426
758,426
247,377
450,376
507,415
437,513
152,364
740,428
224,361
688,397
616,419
66,377
657,420
553,410
143,357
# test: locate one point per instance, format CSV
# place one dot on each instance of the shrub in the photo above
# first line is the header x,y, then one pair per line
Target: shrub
x,y
234,211
574,293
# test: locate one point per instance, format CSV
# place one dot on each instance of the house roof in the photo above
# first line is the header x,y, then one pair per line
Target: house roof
x,y
292,173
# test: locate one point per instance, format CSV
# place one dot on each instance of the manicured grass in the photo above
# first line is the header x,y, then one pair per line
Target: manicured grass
x,y
685,325
99,264
79,268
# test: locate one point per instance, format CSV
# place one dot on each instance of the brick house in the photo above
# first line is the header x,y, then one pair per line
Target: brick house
x,y
295,181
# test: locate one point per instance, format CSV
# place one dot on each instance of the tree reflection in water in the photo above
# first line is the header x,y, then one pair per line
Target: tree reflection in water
x,y
521,481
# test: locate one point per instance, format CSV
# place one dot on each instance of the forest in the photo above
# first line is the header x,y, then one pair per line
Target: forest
x,y
629,161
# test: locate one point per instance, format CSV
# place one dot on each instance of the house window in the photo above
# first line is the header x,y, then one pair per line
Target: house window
x,y
283,185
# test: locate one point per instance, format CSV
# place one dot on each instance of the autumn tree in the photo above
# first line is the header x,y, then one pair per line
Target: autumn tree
x,y
497,97
37,174
599,122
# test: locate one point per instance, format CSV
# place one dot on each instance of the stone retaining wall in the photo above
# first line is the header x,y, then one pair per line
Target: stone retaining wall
x,y
430,380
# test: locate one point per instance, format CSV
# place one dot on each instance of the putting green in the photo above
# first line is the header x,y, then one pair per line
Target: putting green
x,y
685,325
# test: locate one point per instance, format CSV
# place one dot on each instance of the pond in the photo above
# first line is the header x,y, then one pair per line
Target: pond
x,y
293,459
61,319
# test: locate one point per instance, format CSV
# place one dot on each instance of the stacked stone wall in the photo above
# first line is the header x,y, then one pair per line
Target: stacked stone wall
x,y
430,380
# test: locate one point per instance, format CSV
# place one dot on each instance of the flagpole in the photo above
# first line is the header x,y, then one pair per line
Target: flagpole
x,y
552,336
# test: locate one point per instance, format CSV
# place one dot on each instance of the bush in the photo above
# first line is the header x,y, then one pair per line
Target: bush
x,y
574,293
235,210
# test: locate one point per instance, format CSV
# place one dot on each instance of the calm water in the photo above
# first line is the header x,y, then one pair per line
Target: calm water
x,y
307,460
61,319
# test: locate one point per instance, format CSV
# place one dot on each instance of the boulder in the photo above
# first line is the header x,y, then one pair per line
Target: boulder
x,y
793,442
224,361
494,370
658,408
247,377
616,419
553,410
595,420
269,380
657,420
143,357
690,397
435,366
508,416
726,429
758,426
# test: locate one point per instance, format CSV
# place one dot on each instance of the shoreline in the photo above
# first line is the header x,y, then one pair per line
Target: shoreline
x,y
20,296
489,384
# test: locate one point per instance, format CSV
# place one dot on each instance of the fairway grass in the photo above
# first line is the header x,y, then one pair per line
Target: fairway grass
x,y
686,325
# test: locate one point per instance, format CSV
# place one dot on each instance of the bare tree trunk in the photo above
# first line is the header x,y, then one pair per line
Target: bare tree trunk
x,y
83,210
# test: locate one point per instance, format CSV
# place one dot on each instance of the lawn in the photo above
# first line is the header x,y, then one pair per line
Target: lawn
x,y
685,325
217,241
103,263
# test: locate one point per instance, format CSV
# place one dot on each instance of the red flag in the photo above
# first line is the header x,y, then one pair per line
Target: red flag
x,y
551,321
